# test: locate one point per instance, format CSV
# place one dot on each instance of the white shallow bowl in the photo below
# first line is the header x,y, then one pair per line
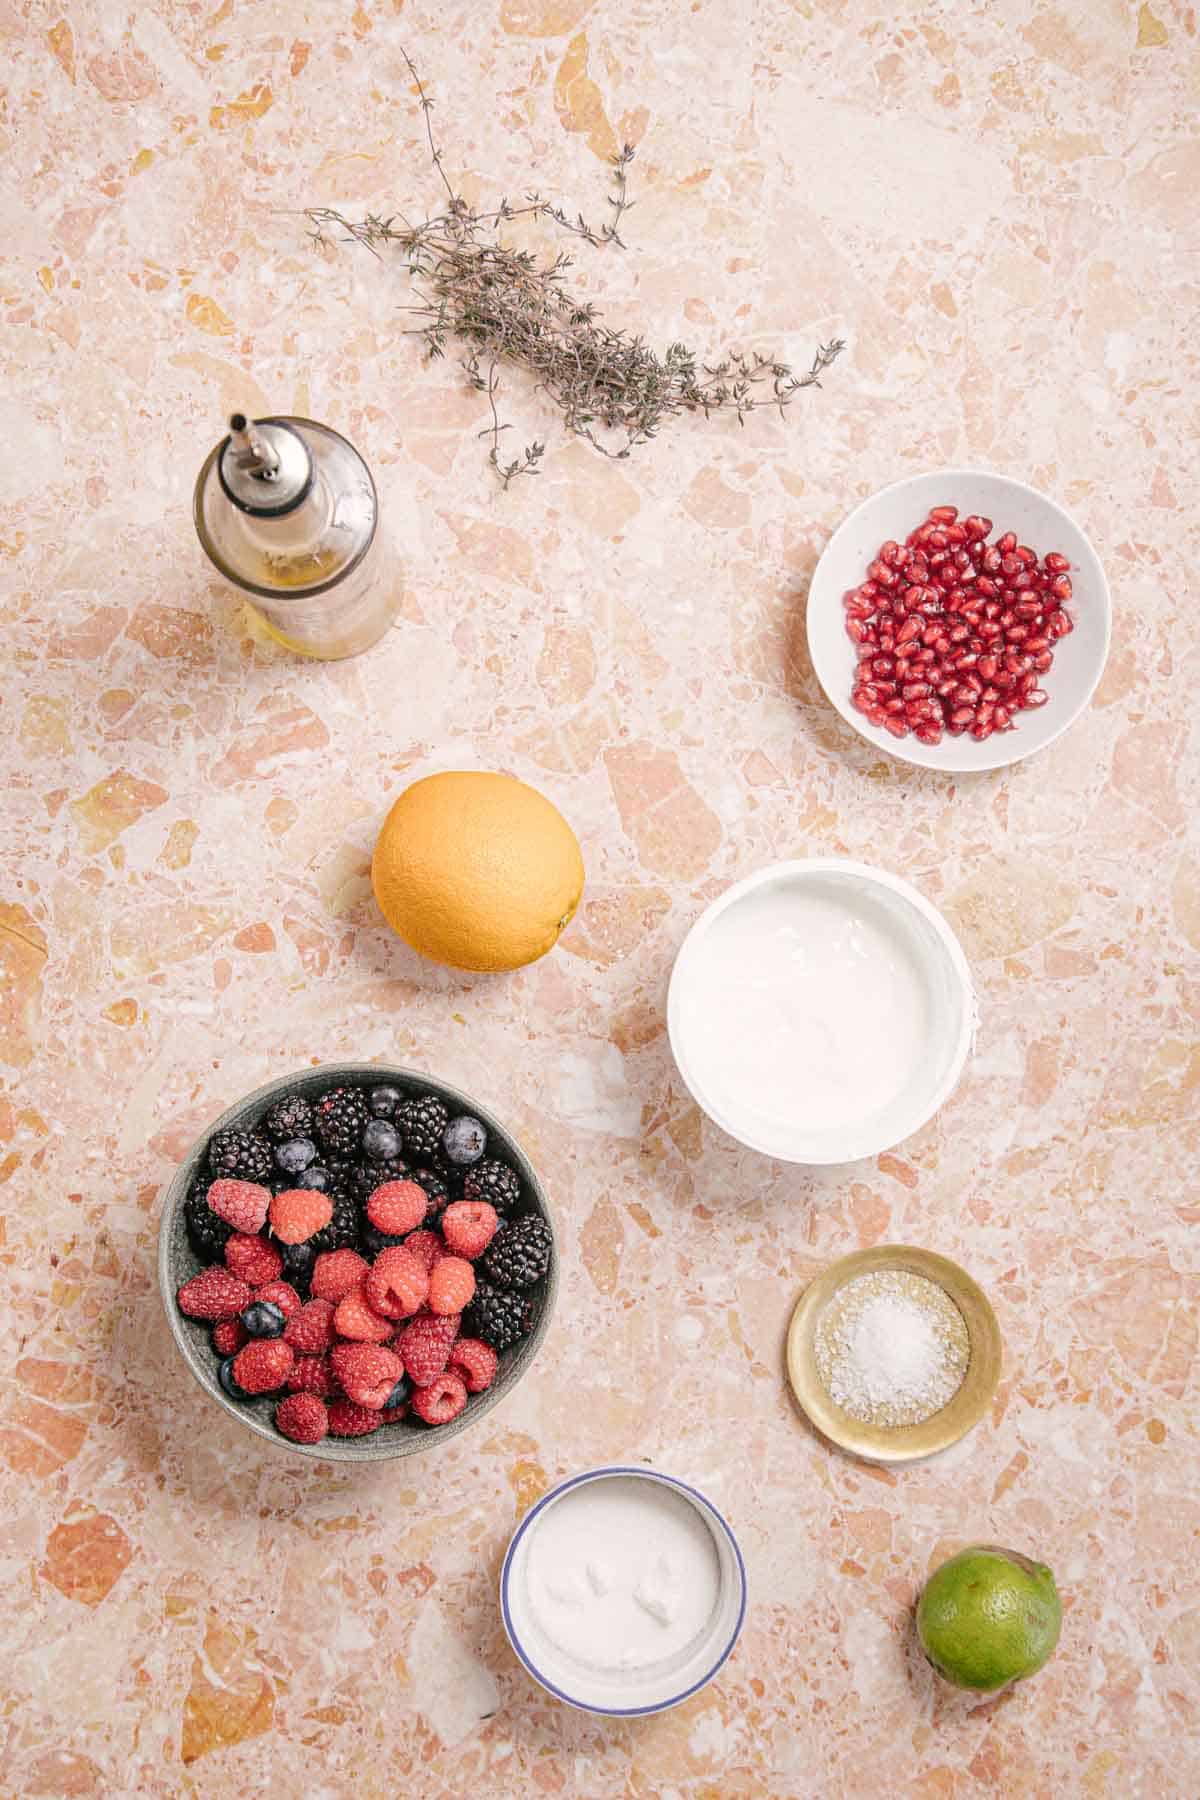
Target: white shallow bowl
x,y
1011,506
624,1694
937,961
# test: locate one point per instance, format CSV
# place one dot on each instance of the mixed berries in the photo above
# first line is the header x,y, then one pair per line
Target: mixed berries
x,y
368,1261
954,634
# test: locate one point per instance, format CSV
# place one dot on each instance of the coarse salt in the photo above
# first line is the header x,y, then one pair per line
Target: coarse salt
x,y
892,1348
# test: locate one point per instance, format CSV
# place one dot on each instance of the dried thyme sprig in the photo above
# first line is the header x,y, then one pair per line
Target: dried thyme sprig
x,y
505,306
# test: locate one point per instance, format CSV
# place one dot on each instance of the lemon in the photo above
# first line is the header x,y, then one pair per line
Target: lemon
x,y
988,1617
476,870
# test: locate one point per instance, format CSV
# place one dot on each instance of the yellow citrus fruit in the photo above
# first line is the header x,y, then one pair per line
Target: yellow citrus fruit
x,y
478,871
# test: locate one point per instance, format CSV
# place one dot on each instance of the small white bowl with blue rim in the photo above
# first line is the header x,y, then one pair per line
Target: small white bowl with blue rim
x,y
560,1641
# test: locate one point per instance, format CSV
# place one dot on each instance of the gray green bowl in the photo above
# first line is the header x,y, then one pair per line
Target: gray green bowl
x,y
177,1262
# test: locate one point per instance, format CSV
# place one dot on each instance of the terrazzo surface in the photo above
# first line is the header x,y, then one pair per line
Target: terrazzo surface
x,y
995,206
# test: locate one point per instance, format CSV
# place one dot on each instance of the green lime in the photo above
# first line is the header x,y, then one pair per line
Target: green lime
x,y
988,1617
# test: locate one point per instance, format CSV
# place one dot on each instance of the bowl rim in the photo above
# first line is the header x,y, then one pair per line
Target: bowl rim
x,y
946,762
366,1449
793,868
702,1504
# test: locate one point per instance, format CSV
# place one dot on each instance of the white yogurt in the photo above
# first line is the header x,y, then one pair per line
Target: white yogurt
x,y
621,1574
804,1009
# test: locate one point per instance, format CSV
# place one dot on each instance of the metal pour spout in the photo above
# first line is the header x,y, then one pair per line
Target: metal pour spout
x,y
251,451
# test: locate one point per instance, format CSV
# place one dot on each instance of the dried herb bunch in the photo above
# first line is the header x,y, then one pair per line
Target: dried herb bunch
x,y
504,306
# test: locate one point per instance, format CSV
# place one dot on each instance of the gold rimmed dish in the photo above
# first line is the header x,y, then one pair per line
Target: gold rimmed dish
x,y
895,1443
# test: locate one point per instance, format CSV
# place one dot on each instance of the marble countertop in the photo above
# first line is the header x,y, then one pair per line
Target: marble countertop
x,y
995,205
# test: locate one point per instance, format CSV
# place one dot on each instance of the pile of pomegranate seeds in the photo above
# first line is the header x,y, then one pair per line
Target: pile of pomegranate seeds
x,y
953,633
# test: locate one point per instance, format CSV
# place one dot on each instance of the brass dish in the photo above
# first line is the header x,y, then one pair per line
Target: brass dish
x,y
899,1443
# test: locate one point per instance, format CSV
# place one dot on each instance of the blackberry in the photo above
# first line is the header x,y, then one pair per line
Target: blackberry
x,y
423,1122
298,1260
290,1117
499,1318
209,1234
437,1195
383,1101
241,1155
373,1241
380,1141
494,1182
364,1178
339,1116
295,1154
519,1254
342,1230
464,1140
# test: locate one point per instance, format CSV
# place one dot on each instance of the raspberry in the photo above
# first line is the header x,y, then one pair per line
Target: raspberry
x,y
441,1400
337,1273
425,1346
469,1227
263,1365
299,1213
242,1204
475,1361
213,1294
397,1285
356,1319
252,1258
426,1246
396,1207
310,1330
281,1294
367,1373
348,1420
313,1375
229,1336
451,1286
303,1418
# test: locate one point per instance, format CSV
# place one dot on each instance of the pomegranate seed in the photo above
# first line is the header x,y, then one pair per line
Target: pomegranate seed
x,y
882,665
1024,581
856,629
910,629
1061,587
1009,565
877,716
1026,554
929,733
990,629
1059,624
1043,662
1007,544
889,551
1001,718
987,587
1027,609
864,700
982,728
945,515
915,690
903,668
1017,634
988,666
1034,644
962,716
944,689
897,727
885,689
991,560
1035,697
1058,564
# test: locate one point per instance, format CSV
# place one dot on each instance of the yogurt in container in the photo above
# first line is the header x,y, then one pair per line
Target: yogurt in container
x,y
623,1591
821,1011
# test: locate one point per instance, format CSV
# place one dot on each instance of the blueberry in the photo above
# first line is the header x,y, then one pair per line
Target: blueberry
x,y
464,1140
317,1178
295,1155
383,1101
225,1377
399,1394
298,1260
380,1140
263,1319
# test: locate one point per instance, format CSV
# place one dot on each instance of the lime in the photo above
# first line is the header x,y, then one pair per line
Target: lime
x,y
988,1617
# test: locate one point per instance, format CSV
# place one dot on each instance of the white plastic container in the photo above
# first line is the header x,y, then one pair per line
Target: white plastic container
x,y
821,1011
623,1591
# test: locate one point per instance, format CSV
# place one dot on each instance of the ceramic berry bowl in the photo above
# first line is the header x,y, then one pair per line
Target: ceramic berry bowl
x,y
357,1262
959,620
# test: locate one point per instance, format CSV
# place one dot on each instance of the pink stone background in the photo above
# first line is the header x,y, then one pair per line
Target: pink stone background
x,y
996,205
